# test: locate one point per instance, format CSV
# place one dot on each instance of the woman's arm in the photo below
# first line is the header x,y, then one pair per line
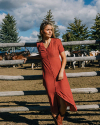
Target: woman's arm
x,y
32,57
63,57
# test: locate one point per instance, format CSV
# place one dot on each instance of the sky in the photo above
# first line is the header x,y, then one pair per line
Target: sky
x,y
30,13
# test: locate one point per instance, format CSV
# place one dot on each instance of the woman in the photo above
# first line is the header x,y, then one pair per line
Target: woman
x,y
54,76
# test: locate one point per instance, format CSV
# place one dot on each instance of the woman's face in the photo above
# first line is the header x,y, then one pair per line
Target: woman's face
x,y
47,32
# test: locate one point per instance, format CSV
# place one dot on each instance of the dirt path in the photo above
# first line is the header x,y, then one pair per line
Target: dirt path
x,y
91,117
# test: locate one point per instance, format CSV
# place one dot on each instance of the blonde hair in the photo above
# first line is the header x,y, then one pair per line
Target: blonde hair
x,y
43,25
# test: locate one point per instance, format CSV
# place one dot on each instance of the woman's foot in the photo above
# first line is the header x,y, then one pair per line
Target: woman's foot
x,y
58,118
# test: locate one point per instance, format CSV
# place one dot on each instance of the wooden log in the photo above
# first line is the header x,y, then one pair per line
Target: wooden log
x,y
28,108
87,58
33,44
87,107
45,108
21,93
11,62
71,43
85,90
14,62
43,92
14,78
69,59
37,77
83,74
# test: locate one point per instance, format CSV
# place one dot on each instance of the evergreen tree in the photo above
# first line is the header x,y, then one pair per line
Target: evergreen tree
x,y
96,28
76,32
68,37
95,31
49,18
8,31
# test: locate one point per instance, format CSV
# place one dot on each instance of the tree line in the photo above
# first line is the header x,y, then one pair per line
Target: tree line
x,y
75,31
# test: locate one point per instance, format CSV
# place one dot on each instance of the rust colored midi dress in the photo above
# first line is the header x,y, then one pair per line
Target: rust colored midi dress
x,y
51,65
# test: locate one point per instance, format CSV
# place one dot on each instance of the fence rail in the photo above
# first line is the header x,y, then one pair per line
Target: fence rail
x,y
14,62
43,92
33,44
37,77
69,59
45,108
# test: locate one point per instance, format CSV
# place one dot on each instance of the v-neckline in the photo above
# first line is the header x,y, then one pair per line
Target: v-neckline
x,y
48,45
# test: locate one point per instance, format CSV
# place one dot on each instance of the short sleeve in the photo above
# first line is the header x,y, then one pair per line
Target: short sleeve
x,y
60,46
37,44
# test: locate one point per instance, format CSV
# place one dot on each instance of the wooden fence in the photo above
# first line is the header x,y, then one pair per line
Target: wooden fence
x,y
69,59
71,43
42,92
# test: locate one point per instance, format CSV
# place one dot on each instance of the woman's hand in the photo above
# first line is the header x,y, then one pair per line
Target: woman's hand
x,y
25,59
60,76
61,73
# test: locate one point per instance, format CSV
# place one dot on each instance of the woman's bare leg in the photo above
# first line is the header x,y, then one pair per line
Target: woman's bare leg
x,y
63,106
54,115
58,118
